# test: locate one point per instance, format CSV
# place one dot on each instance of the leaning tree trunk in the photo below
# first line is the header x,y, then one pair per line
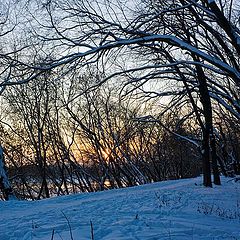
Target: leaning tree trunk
x,y
209,144
5,186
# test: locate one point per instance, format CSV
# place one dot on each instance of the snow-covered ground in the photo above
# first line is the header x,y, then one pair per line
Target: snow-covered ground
x,y
181,209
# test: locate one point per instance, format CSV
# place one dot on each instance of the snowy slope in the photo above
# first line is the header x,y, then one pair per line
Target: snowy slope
x,y
170,210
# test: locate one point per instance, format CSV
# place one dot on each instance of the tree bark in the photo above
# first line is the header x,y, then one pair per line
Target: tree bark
x,y
5,186
208,135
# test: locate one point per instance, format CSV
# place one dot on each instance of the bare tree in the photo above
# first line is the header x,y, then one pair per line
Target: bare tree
x,y
180,40
189,49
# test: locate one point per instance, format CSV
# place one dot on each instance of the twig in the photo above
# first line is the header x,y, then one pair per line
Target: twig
x,y
52,234
70,229
92,232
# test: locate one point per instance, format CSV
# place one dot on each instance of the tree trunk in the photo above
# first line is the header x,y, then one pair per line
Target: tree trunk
x,y
216,175
5,186
207,182
208,135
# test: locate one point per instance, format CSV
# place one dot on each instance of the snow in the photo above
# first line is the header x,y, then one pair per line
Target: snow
x,y
176,209
170,39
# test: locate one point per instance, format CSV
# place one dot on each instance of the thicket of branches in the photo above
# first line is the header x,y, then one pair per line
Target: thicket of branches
x,y
105,94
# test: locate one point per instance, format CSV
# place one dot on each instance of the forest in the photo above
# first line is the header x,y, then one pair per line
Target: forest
x,y
103,94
